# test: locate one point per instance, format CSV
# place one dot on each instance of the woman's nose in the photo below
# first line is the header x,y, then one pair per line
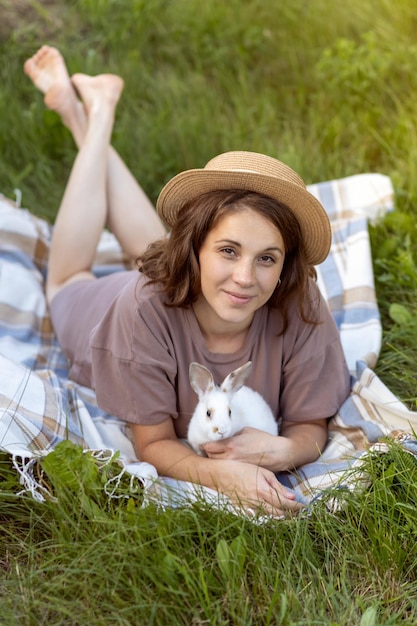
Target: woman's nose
x,y
244,273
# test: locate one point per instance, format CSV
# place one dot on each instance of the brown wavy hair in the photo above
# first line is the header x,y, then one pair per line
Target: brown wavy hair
x,y
173,261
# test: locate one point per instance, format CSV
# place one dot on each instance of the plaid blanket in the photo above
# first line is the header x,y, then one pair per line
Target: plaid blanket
x,y
40,406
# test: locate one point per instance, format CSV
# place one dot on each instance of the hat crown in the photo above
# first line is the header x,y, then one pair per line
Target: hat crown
x,y
255,163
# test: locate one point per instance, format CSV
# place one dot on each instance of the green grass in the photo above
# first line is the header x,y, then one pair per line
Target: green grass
x,y
67,563
330,88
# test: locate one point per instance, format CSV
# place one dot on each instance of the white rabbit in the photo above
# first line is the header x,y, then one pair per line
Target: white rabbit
x,y
223,411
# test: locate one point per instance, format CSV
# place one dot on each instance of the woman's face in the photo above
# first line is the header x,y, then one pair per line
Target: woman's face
x,y
240,264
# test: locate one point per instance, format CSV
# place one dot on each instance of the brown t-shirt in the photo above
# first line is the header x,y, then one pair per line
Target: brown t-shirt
x,y
135,352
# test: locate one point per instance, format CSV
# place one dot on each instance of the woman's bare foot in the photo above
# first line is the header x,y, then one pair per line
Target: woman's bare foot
x,y
46,68
98,92
48,72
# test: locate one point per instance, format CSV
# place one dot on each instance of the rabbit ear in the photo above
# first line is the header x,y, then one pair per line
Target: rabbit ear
x,y
201,379
236,379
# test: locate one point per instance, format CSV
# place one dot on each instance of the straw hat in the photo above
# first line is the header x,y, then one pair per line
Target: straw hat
x,y
253,172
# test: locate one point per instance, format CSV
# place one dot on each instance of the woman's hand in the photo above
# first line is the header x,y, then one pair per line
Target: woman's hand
x,y
250,445
298,443
254,489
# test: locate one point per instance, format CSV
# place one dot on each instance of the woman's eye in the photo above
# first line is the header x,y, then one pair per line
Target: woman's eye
x,y
228,251
266,258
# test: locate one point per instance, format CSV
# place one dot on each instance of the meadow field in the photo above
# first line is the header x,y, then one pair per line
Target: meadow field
x,y
330,88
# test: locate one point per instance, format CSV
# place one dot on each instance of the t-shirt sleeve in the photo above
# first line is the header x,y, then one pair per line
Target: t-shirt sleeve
x,y
134,368
315,378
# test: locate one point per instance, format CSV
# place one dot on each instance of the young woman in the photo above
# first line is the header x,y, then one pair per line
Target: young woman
x,y
233,282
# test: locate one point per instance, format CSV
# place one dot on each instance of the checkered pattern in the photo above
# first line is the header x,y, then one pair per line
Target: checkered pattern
x,y
40,406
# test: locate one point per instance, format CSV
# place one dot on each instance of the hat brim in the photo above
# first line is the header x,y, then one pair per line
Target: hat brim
x,y
313,219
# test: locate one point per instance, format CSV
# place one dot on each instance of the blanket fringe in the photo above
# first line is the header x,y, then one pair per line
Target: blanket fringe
x,y
26,468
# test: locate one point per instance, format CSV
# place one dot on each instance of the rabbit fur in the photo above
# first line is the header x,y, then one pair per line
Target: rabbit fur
x,y
223,411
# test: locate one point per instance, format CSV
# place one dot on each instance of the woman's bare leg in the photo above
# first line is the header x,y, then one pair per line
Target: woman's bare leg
x,y
83,211
130,214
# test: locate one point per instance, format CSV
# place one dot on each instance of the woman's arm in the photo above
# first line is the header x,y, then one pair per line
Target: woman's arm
x,y
297,444
245,483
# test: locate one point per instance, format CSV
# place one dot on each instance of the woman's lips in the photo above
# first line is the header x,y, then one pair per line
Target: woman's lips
x,y
238,298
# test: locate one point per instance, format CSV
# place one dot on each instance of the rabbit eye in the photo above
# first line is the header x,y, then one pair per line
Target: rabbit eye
x,y
208,413
230,412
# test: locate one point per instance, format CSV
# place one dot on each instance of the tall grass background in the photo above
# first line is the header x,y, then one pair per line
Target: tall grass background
x,y
328,87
